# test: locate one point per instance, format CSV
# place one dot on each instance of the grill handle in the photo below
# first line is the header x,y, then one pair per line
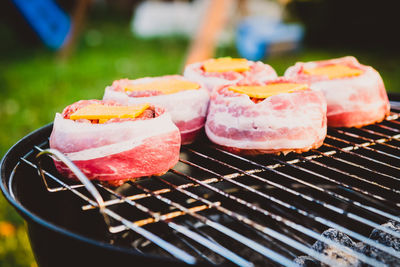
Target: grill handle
x,y
99,202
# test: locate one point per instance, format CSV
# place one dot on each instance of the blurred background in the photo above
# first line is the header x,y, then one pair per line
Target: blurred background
x,y
56,52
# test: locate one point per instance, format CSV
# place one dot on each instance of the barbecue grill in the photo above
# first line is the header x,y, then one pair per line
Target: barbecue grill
x,y
218,208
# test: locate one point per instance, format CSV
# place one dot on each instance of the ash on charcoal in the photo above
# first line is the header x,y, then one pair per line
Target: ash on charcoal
x,y
379,255
387,240
335,236
341,257
307,261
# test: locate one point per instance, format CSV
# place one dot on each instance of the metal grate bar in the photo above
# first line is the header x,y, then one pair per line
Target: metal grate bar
x,y
360,167
167,190
188,233
198,252
346,151
211,245
224,230
308,198
235,175
396,122
388,128
255,225
54,189
317,218
335,195
372,141
362,156
388,137
353,188
215,180
394,105
70,188
283,162
366,146
50,189
173,250
266,230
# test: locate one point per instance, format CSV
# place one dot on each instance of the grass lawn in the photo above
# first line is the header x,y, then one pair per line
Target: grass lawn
x,y
34,86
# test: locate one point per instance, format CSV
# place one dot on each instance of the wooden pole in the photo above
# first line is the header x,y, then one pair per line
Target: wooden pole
x,y
78,19
204,43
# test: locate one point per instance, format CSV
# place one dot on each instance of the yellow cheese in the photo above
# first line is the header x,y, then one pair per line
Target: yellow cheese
x,y
226,64
166,86
104,113
103,120
264,91
334,71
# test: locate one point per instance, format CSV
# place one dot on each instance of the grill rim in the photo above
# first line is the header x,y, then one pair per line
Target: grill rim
x,y
11,160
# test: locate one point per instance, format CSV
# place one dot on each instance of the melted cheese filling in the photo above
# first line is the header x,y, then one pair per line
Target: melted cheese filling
x,y
334,71
165,86
103,113
226,64
264,91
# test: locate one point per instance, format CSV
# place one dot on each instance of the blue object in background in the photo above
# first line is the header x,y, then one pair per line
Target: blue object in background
x,y
256,34
47,19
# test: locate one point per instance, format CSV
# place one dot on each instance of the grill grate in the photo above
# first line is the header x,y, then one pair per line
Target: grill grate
x,y
215,206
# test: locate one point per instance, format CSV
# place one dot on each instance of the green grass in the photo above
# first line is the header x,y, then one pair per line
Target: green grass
x,y
34,86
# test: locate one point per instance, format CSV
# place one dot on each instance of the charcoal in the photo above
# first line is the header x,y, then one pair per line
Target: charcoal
x,y
380,256
341,257
387,240
335,236
307,261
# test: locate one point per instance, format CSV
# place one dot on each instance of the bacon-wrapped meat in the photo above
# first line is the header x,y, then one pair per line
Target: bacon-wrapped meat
x,y
271,117
223,71
355,93
114,143
186,101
